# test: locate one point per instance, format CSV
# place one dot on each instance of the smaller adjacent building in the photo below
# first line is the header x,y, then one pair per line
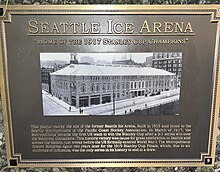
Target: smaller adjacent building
x,y
87,59
45,79
169,61
59,66
125,62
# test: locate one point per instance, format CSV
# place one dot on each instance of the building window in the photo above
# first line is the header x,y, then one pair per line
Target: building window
x,y
114,86
118,86
104,87
93,87
142,84
123,85
83,88
132,85
118,95
127,85
123,93
97,87
109,86
73,86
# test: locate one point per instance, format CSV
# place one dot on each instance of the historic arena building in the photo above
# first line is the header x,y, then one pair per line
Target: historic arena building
x,y
85,85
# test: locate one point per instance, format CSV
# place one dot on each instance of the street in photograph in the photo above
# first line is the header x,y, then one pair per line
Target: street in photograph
x,y
111,83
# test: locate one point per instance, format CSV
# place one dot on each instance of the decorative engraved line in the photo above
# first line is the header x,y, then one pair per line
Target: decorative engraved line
x,y
16,11
113,11
214,101
103,34
215,90
6,90
214,11
112,162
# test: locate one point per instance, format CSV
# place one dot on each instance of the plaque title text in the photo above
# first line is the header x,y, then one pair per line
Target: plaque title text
x,y
111,27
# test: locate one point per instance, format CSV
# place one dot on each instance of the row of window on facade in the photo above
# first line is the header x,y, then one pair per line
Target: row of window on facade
x,y
115,86
60,96
167,61
171,69
174,70
60,85
45,73
44,79
166,55
105,87
112,78
97,78
117,94
164,66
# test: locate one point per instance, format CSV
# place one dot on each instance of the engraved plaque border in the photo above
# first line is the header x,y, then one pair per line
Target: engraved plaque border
x,y
15,159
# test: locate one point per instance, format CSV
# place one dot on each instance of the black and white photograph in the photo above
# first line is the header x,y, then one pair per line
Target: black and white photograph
x,y
111,83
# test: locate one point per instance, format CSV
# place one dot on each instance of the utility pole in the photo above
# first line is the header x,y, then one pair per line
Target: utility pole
x,y
70,87
113,102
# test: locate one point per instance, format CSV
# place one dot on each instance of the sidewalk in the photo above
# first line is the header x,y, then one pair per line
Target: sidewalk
x,y
107,109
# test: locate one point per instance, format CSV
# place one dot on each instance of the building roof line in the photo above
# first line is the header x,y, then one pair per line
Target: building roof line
x,y
92,70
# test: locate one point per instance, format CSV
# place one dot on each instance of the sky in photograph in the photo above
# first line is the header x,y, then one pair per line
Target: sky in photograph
x,y
109,57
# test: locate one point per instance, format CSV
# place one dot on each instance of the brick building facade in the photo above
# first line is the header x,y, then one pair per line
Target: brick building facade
x,y
85,85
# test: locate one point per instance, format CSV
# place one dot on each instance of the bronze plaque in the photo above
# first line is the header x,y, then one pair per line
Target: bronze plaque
x,y
110,85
